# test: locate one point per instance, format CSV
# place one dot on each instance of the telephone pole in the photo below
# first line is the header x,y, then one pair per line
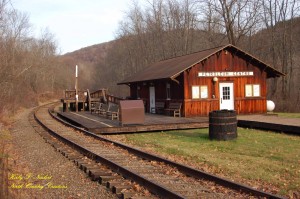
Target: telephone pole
x,y
76,88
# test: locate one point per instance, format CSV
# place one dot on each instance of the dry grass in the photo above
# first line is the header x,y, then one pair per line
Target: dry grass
x,y
264,159
5,137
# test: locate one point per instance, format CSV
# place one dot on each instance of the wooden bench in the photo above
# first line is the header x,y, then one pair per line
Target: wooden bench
x,y
174,107
159,107
103,110
95,107
113,112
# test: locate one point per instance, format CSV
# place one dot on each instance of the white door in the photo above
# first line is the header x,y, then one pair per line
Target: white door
x,y
152,99
226,96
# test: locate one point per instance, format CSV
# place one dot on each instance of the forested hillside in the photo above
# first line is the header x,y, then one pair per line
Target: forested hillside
x,y
91,62
268,29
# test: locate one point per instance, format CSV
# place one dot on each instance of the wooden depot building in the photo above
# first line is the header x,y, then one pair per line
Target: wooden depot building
x,y
225,77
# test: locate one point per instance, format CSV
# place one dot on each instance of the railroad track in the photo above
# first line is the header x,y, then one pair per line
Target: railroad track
x,y
130,172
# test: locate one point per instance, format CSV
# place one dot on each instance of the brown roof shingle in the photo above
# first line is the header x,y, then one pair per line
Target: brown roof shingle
x,y
170,68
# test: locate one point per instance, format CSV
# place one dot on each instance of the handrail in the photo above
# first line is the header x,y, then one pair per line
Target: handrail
x,y
71,94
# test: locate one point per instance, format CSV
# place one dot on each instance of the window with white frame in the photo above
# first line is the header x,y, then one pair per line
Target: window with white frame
x,y
252,90
204,92
199,92
195,92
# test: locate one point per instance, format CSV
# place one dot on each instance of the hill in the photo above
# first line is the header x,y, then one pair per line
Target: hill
x,y
90,61
91,54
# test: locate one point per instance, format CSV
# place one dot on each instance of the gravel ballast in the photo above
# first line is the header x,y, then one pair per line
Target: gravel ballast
x,y
37,170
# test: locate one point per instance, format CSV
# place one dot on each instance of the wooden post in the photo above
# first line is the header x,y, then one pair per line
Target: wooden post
x,y
89,98
76,88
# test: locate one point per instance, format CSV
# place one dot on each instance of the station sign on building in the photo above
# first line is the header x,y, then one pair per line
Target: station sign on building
x,y
225,77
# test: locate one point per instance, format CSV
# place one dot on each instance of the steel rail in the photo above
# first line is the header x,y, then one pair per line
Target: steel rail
x,y
152,186
183,168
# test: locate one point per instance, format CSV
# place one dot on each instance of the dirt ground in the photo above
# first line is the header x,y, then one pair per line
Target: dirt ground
x,y
31,168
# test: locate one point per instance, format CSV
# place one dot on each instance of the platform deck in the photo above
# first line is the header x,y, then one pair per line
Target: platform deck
x,y
270,122
153,122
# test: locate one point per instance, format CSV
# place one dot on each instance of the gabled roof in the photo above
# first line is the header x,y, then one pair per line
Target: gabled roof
x,y
171,68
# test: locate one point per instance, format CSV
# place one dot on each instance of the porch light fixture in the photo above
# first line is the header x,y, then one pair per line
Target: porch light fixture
x,y
215,79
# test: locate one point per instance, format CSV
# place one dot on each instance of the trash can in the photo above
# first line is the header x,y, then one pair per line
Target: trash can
x,y
222,125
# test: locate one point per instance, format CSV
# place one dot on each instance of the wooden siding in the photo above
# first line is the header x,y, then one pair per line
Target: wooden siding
x,y
224,62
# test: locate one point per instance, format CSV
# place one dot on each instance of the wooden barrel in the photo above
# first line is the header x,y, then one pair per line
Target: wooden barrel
x,y
222,125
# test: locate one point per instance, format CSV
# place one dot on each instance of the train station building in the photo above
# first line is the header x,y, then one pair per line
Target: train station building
x,y
225,77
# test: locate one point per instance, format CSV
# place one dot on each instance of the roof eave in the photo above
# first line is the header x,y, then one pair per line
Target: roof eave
x,y
148,80
273,73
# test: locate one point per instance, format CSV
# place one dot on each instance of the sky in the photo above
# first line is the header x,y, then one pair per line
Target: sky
x,y
75,23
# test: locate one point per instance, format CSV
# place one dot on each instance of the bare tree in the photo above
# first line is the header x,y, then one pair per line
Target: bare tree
x,y
234,18
27,64
279,19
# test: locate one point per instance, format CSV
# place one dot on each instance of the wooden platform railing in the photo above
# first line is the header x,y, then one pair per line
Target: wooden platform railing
x,y
69,99
99,93
114,99
71,95
103,93
102,96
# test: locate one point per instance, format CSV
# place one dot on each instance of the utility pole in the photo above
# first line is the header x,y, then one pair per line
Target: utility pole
x,y
76,87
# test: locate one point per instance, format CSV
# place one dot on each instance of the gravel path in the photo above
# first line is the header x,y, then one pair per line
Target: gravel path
x,y
38,171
